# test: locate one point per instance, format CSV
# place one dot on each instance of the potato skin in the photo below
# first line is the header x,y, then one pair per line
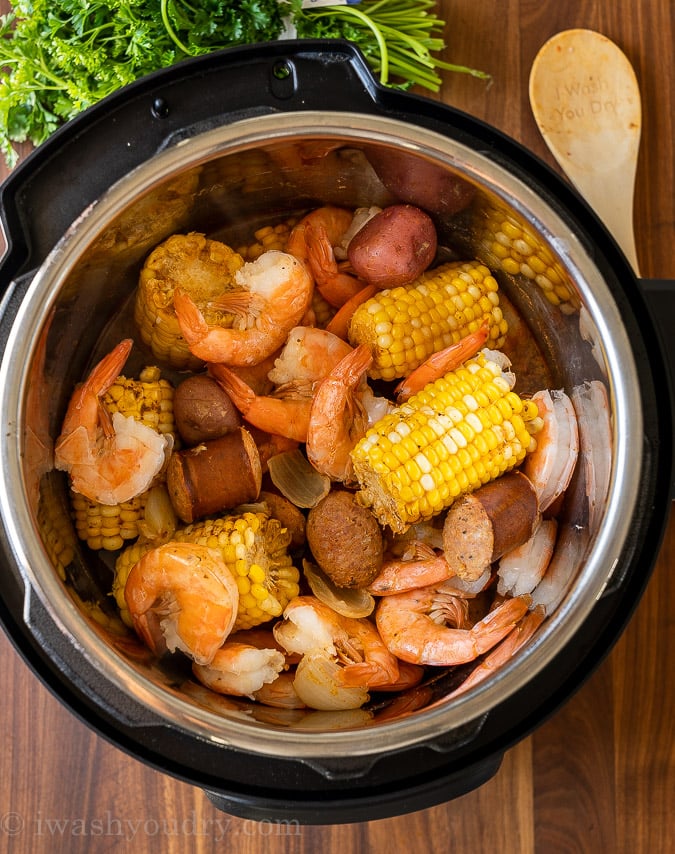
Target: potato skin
x,y
202,410
345,539
419,182
394,247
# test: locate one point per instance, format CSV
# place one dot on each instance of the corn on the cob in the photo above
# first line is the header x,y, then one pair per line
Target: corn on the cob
x,y
54,524
244,172
104,526
510,245
205,269
148,399
255,549
403,326
458,433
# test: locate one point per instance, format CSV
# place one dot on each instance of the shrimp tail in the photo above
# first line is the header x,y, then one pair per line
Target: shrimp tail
x,y
499,622
339,324
239,392
442,362
193,326
399,576
100,379
335,287
366,674
353,366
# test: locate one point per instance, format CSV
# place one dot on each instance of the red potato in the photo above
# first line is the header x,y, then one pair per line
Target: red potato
x,y
203,411
419,182
394,247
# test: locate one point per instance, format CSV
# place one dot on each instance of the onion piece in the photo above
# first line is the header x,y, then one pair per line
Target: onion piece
x,y
348,601
159,518
297,479
317,684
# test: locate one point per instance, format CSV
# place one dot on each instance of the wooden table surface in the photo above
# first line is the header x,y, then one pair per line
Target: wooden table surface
x,y
597,777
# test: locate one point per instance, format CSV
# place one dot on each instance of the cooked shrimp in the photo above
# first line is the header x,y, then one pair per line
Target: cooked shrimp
x,y
564,565
591,405
276,293
182,596
505,650
338,418
425,567
280,693
521,569
442,362
411,633
335,285
286,414
312,241
339,324
409,676
309,626
551,465
239,669
335,220
109,460
307,358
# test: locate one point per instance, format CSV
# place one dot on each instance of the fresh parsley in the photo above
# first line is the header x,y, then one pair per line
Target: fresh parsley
x,y
58,57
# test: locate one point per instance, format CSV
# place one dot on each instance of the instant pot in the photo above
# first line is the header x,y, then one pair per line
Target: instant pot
x,y
222,145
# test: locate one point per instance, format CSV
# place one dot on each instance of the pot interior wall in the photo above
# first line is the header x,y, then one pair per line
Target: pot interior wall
x,y
229,194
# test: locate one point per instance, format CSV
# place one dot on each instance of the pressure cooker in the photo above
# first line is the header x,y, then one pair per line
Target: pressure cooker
x,y
226,143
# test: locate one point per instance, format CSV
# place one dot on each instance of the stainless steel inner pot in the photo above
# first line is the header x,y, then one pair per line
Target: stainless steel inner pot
x,y
226,181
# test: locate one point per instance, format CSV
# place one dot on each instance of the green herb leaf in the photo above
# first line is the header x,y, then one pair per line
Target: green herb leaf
x,y
58,57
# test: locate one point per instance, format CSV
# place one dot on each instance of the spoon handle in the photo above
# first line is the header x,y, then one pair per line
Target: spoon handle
x,y
611,196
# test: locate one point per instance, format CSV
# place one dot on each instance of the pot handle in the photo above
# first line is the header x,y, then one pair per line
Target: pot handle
x,y
377,802
660,298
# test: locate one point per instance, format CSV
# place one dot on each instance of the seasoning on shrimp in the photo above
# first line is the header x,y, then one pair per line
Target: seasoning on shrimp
x,y
110,460
338,416
274,292
412,627
312,241
182,596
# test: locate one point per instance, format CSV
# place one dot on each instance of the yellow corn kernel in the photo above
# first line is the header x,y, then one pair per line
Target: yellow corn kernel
x,y
508,244
107,527
205,269
472,452
266,238
55,527
404,326
324,312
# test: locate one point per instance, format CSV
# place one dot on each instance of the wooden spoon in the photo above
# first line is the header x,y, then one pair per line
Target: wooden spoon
x,y
586,102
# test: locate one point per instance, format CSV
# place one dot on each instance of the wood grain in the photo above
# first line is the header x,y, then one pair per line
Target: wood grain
x,y
599,776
